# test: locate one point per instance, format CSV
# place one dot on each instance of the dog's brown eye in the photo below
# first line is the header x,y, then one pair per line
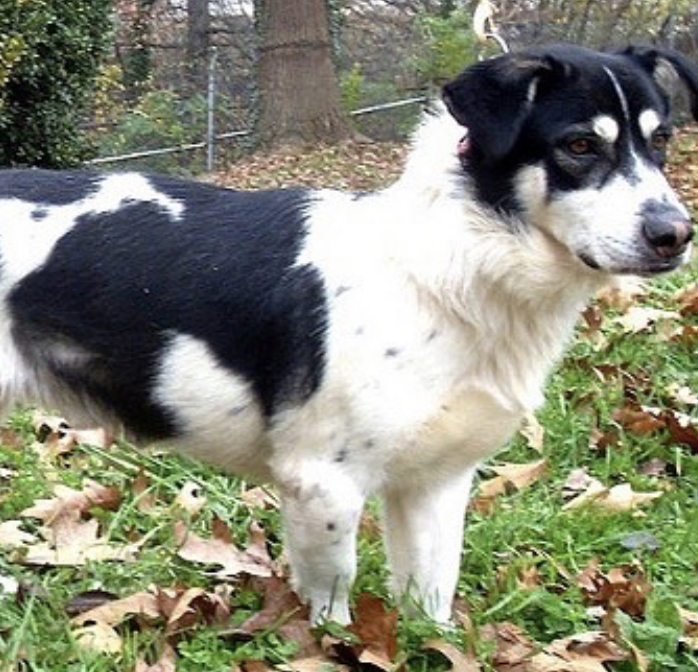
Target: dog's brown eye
x,y
579,146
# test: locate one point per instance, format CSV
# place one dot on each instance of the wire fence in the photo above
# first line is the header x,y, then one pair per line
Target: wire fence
x,y
213,138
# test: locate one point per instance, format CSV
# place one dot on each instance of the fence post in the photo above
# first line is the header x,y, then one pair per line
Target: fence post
x,y
211,105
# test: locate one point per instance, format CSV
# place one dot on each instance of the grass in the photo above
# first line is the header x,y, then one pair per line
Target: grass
x,y
526,533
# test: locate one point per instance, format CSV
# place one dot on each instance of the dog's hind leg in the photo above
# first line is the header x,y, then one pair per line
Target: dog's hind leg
x,y
321,509
424,537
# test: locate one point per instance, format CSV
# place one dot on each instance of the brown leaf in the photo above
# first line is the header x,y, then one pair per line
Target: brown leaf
x,y
184,609
12,536
687,298
73,542
260,498
376,629
624,588
533,432
98,638
689,621
166,663
638,421
520,476
116,612
460,662
513,647
67,501
622,294
641,318
313,664
232,560
140,487
586,652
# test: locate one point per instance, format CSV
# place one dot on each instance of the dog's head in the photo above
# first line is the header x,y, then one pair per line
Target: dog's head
x,y
573,142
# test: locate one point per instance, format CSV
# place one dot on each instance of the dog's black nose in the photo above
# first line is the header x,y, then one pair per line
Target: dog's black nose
x,y
667,230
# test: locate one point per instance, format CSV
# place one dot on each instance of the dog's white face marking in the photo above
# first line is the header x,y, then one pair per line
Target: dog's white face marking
x,y
649,122
607,221
607,128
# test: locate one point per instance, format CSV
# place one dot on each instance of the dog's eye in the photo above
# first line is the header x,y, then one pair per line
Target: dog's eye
x,y
660,141
580,146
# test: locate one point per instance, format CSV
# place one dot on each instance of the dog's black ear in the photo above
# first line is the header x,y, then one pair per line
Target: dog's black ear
x,y
667,67
493,98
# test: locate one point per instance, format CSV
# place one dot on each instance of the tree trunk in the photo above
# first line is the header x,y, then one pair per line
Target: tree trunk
x,y
198,43
299,93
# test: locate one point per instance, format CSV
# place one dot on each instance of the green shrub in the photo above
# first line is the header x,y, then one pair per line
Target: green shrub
x,y
50,54
449,44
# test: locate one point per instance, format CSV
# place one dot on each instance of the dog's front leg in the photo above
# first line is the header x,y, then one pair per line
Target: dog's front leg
x,y
424,538
321,509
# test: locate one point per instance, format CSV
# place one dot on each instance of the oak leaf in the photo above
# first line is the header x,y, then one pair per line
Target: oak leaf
x,y
225,554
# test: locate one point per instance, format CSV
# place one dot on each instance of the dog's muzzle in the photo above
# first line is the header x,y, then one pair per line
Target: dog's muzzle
x,y
666,229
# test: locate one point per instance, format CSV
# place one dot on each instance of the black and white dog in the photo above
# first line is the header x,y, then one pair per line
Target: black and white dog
x,y
341,344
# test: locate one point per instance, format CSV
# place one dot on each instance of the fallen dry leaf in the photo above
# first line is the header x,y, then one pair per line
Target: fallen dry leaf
x,y
375,626
312,664
641,318
689,621
617,499
74,503
510,477
682,394
283,611
513,647
622,294
183,609
586,652
13,536
460,662
625,588
687,298
166,663
260,498
224,554
69,541
533,432
57,438
114,613
98,638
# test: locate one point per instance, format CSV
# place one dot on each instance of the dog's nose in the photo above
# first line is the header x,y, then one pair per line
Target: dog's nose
x,y
667,230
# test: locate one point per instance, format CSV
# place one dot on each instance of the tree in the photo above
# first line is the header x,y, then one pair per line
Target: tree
x,y
198,42
50,54
298,89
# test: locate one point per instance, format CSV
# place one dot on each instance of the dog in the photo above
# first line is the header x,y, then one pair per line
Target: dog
x,y
341,345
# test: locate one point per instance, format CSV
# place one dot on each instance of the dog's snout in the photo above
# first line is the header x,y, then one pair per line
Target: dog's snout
x,y
667,230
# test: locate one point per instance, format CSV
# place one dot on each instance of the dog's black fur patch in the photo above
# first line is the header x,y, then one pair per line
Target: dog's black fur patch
x,y
119,284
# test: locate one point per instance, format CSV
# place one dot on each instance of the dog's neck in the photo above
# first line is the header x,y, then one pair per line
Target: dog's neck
x,y
518,293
